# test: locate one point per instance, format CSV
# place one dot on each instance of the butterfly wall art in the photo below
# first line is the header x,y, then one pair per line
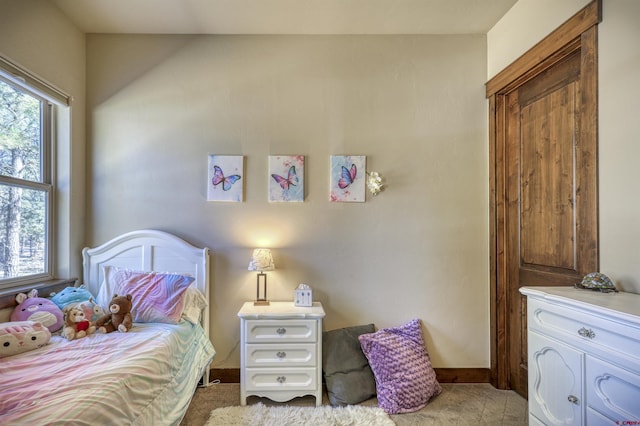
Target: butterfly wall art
x,y
225,181
348,174
286,178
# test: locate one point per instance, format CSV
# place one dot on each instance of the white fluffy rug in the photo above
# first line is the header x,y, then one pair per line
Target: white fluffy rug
x,y
325,415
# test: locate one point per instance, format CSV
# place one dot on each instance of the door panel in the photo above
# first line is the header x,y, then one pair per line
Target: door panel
x,y
547,172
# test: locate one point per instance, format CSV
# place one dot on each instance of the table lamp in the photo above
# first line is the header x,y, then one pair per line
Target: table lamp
x,y
261,261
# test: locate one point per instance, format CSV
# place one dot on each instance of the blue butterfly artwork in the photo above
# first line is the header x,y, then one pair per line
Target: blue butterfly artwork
x,y
347,183
290,180
226,181
347,176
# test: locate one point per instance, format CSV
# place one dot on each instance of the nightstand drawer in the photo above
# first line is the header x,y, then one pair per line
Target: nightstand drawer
x,y
259,379
278,355
272,331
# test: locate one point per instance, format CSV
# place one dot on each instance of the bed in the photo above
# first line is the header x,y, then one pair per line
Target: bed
x,y
146,376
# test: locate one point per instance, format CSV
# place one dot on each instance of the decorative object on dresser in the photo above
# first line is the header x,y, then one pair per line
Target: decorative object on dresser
x,y
583,356
280,351
261,261
303,295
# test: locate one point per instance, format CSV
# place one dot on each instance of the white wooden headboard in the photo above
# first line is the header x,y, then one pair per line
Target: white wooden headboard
x,y
149,250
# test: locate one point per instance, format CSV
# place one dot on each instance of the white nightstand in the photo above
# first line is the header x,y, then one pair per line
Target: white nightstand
x,y
281,351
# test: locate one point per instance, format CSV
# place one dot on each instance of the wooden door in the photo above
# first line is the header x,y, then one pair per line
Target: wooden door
x,y
543,205
544,217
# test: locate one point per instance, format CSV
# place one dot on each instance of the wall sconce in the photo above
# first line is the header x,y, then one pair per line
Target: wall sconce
x,y
261,261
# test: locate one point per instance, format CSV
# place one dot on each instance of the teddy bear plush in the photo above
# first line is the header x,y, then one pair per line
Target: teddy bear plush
x,y
119,316
76,324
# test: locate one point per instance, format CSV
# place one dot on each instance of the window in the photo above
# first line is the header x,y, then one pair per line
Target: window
x,y
26,191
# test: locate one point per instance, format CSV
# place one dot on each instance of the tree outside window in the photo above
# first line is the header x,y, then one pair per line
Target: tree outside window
x,y
25,184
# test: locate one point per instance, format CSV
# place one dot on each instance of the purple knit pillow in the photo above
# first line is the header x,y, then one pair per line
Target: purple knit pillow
x,y
405,379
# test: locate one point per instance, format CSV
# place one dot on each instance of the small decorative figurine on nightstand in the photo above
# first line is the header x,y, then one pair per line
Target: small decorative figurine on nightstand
x,y
303,296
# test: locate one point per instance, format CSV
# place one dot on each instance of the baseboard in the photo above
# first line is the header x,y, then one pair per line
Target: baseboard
x,y
444,375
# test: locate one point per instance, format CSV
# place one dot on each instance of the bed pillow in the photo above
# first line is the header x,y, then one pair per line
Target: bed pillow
x,y
347,373
405,379
17,337
194,303
156,296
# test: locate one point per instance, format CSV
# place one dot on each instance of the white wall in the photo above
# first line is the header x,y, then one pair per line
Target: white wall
x,y
34,34
414,105
524,25
619,102
619,92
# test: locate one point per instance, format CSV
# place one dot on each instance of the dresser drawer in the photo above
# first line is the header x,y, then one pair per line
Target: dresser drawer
x,y
613,391
261,379
272,331
585,330
278,355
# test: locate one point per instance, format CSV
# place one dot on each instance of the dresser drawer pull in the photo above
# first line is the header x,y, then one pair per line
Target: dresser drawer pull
x,y
281,354
281,379
573,399
586,333
281,331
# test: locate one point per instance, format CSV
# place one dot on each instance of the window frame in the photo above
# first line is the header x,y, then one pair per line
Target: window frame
x,y
47,150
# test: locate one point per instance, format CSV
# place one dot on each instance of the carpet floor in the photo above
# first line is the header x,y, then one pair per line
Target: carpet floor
x,y
458,404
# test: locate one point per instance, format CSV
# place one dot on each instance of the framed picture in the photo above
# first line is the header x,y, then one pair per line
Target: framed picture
x,y
286,178
347,184
225,181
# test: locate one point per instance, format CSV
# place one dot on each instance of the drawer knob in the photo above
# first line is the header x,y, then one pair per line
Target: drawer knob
x,y
281,379
281,331
573,399
281,354
589,334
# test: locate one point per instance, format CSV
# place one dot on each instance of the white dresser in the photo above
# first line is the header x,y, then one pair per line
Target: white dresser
x,y
583,356
281,351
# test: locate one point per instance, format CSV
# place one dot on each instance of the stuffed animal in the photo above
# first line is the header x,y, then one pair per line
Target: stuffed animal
x,y
70,295
22,336
76,324
74,296
38,309
119,317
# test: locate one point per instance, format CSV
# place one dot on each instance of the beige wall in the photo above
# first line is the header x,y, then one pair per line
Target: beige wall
x,y
34,34
414,105
619,127
619,107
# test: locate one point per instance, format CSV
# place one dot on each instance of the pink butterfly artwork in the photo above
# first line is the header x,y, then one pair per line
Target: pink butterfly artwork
x,y
291,179
348,176
219,178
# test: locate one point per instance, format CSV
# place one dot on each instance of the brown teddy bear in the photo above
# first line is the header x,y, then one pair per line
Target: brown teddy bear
x,y
119,316
76,324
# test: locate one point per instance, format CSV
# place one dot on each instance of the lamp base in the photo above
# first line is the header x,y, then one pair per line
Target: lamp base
x,y
261,303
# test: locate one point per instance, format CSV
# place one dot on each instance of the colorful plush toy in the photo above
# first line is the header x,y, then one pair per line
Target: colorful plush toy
x,y
38,309
76,325
74,296
119,317
70,295
22,336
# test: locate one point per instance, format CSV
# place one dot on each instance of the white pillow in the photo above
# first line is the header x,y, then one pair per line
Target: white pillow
x,y
194,303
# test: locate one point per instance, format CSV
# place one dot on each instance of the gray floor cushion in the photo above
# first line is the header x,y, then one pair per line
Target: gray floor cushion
x,y
347,374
